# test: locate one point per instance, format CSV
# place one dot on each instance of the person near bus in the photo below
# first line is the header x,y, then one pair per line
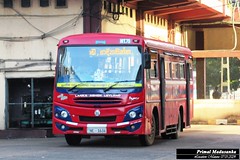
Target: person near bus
x,y
216,94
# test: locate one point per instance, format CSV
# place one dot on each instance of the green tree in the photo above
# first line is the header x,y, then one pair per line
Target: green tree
x,y
234,73
213,72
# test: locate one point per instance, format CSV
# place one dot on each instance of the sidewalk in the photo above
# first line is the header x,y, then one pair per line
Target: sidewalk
x,y
25,133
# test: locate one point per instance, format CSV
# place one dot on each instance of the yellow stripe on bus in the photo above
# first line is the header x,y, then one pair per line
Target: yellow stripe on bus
x,y
99,85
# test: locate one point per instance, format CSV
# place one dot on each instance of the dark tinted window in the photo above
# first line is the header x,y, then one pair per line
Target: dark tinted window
x,y
8,3
61,3
44,3
25,3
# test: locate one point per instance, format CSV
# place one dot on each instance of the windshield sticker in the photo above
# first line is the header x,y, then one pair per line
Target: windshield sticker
x,y
98,75
110,52
98,85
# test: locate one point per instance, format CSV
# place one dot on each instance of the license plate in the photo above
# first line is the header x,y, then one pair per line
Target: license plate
x,y
96,128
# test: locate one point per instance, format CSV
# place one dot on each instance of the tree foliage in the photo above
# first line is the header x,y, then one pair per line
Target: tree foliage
x,y
213,72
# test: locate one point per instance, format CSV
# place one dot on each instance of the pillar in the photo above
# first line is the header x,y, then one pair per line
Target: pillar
x,y
201,77
140,22
92,20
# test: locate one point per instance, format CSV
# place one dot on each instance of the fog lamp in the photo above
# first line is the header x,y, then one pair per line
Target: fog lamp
x,y
132,127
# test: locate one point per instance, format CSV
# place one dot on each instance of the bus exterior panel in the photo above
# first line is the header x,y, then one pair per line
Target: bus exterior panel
x,y
113,118
104,87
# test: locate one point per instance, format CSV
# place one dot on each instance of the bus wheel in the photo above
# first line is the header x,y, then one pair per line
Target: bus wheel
x,y
73,139
164,135
176,134
148,140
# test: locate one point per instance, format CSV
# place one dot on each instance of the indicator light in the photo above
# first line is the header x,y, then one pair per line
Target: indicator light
x,y
136,41
65,41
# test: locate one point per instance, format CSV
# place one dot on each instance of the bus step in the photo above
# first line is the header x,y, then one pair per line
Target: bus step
x,y
171,130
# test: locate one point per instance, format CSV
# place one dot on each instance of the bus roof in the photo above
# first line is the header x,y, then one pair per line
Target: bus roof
x,y
116,38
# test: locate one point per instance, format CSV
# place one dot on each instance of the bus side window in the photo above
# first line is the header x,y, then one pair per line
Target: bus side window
x,y
168,69
174,70
154,69
182,69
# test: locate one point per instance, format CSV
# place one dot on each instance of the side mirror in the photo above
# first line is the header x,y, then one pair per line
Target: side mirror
x,y
147,61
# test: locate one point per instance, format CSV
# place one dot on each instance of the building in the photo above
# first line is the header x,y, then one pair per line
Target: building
x,y
30,30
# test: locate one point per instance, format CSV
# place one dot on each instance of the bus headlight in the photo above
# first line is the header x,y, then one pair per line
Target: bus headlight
x,y
134,113
62,113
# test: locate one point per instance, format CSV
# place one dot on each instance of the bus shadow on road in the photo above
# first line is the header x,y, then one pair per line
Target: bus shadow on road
x,y
119,141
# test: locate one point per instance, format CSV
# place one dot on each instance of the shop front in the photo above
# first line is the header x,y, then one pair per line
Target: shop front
x,y
29,102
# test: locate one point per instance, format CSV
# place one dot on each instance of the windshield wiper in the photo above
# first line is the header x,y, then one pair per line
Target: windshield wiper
x,y
115,83
73,87
70,89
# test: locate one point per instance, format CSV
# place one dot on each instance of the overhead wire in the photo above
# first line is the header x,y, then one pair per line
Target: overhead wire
x,y
69,24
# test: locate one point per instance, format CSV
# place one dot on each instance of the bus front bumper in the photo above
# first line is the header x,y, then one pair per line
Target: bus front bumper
x,y
134,127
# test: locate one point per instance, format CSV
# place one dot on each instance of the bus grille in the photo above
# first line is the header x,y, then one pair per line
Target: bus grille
x,y
97,119
97,100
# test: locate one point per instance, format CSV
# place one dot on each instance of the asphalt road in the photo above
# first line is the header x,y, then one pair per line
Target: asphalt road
x,y
98,148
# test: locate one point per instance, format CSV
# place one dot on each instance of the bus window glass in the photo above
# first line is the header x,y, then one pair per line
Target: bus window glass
x,y
167,69
89,65
153,70
175,70
182,74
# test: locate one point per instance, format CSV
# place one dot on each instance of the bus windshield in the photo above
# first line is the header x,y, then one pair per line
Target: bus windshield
x,y
99,67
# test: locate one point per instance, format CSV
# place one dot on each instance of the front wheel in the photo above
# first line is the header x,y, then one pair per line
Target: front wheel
x,y
73,139
148,140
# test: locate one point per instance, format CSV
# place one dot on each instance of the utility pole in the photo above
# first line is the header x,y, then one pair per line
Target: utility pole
x,y
225,75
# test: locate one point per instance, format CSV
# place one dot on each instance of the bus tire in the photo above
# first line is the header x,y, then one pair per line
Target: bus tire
x,y
148,140
164,135
176,134
73,139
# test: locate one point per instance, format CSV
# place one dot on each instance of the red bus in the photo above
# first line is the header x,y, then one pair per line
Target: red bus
x,y
117,84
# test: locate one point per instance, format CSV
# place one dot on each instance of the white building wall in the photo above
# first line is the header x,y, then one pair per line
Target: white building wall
x,y
126,23
28,40
154,27
2,101
34,32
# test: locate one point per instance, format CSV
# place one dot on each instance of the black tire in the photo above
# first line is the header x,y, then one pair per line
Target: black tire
x,y
165,136
73,139
176,135
148,140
